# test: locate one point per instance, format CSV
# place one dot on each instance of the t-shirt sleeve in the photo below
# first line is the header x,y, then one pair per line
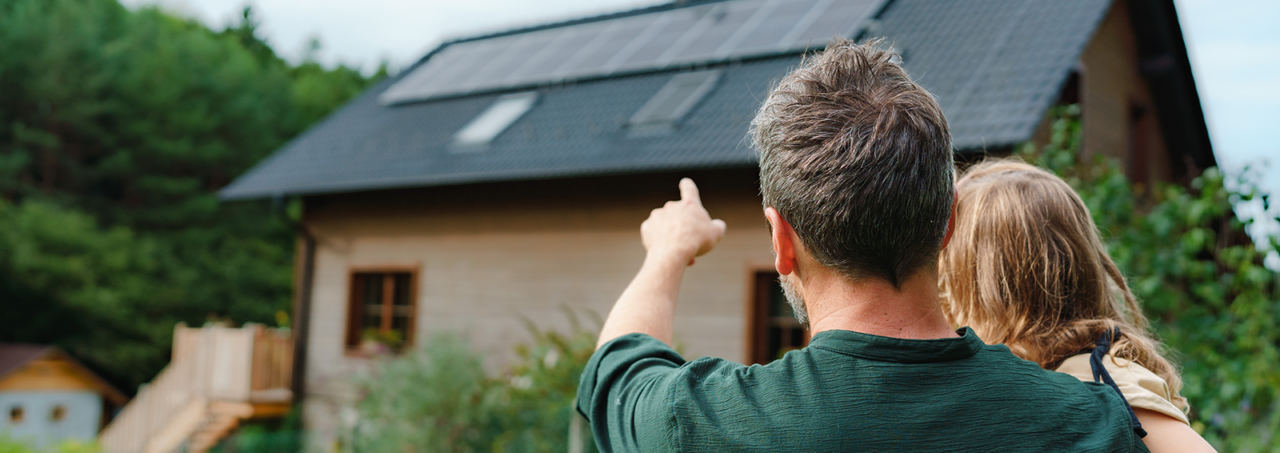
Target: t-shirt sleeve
x,y
625,394
1142,388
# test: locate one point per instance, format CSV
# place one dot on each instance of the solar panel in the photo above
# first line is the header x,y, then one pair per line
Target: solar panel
x,y
624,32
833,20
717,27
652,41
767,35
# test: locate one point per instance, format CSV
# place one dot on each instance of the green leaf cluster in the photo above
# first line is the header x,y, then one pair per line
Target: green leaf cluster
x,y
117,127
1200,279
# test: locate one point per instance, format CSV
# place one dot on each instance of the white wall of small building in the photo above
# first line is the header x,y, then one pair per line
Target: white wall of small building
x,y
82,415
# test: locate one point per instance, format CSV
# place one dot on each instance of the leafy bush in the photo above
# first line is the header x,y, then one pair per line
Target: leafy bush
x,y
437,397
1201,281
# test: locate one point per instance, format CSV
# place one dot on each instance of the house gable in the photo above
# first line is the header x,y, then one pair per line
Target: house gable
x,y
31,368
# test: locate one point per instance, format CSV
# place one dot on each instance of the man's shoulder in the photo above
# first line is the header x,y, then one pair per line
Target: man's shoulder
x,y
1012,401
1006,370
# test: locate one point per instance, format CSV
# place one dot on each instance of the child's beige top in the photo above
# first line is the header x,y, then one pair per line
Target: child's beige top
x,y
1142,388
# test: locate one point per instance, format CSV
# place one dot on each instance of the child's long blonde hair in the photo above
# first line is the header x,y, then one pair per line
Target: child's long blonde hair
x,y
1026,268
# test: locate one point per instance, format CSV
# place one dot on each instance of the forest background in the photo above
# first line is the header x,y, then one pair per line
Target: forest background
x,y
118,126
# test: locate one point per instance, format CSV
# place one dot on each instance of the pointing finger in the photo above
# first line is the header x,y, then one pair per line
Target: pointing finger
x,y
720,225
689,191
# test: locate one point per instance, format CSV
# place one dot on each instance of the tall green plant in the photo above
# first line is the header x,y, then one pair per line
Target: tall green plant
x,y
535,403
1201,281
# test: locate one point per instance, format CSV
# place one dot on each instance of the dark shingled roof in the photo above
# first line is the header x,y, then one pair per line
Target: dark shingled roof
x,y
996,66
15,355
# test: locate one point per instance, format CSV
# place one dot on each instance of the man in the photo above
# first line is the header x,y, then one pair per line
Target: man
x,y
856,171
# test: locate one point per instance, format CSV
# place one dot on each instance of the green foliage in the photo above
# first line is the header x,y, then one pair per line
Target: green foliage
x,y
527,408
132,120
8,445
66,281
430,399
535,403
266,436
1200,279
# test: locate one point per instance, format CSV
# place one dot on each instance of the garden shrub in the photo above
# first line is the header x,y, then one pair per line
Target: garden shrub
x,y
1200,279
437,397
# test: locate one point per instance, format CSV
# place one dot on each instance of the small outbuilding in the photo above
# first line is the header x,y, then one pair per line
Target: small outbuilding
x,y
47,396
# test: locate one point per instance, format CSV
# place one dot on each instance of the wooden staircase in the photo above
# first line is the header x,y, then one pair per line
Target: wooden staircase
x,y
218,378
220,420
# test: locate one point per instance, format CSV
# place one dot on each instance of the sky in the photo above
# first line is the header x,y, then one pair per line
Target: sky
x,y
1234,48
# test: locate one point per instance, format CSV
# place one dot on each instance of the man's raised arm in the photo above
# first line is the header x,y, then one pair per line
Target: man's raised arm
x,y
673,235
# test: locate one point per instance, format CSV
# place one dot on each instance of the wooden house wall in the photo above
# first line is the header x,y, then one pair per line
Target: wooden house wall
x,y
1111,84
489,257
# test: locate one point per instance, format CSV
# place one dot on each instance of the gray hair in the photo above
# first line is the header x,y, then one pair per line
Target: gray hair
x,y
857,158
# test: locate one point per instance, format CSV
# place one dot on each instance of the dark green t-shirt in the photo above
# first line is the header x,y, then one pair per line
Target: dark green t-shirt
x,y
847,391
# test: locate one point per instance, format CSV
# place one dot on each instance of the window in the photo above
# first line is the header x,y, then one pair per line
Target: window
x,y
58,414
16,414
774,329
673,102
380,314
495,119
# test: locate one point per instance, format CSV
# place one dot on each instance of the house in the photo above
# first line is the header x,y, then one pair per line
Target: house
x,y
503,177
47,396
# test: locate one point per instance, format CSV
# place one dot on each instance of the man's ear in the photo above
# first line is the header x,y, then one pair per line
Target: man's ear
x,y
784,242
951,221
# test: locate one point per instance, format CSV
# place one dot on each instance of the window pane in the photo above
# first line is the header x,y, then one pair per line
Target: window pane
x,y
372,301
778,331
778,301
402,296
400,324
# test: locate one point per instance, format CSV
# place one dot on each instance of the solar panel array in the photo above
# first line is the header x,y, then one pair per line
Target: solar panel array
x,y
713,32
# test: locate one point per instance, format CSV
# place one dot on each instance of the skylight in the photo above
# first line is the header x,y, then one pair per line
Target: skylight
x,y
495,119
674,101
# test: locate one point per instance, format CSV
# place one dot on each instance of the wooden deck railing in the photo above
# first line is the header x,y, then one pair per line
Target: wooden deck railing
x,y
212,364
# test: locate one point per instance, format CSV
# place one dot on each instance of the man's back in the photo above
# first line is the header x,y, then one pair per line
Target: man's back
x,y
847,391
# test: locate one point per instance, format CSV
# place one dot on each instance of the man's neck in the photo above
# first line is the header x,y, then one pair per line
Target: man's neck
x,y
873,306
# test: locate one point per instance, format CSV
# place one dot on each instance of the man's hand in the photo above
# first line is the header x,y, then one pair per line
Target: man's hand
x,y
674,235
681,229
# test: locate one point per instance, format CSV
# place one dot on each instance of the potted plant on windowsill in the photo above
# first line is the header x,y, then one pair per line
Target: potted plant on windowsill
x,y
375,342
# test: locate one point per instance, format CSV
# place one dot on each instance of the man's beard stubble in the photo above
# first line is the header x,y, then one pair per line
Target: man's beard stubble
x,y
794,299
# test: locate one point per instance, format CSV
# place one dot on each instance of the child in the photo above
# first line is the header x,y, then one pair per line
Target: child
x,y
1025,268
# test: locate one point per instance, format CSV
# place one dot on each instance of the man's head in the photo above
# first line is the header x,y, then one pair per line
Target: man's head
x,y
857,159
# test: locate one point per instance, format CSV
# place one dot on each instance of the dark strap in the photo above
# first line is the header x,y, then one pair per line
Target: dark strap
x,y
1100,371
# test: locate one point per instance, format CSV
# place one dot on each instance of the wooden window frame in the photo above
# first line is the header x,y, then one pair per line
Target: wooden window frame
x,y
353,330
756,337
